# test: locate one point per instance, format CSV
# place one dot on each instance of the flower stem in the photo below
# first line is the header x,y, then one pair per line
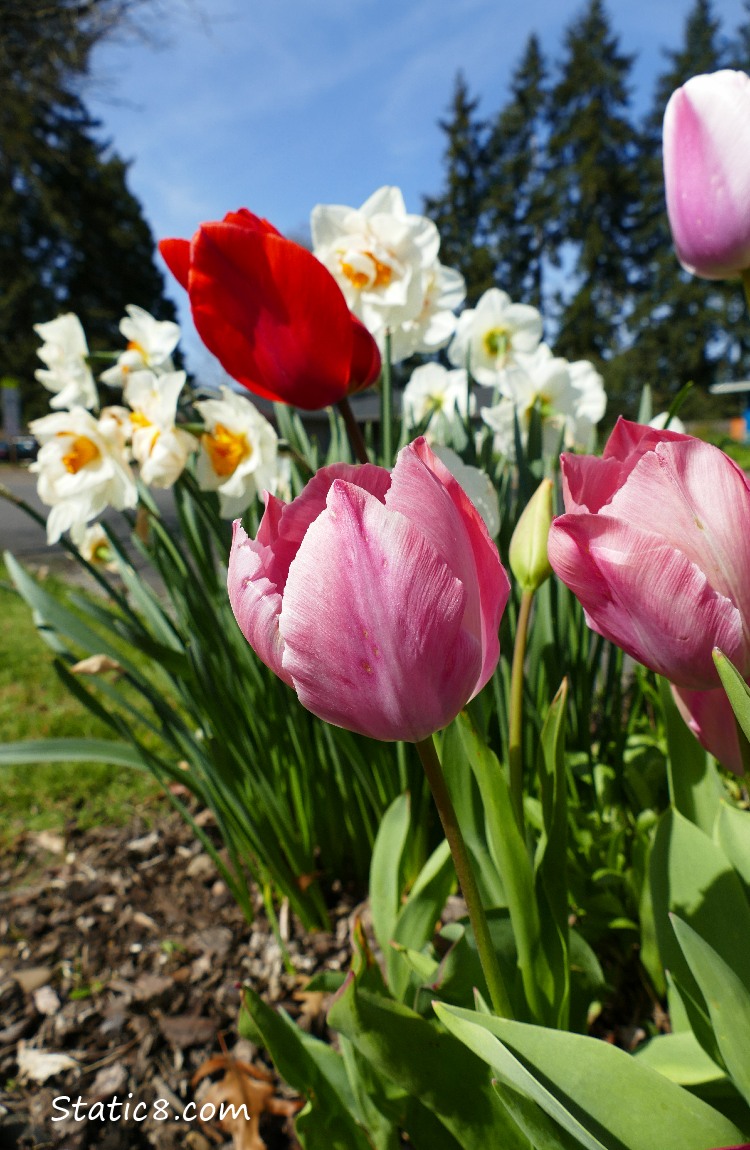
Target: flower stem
x,y
487,956
386,406
515,731
353,431
746,285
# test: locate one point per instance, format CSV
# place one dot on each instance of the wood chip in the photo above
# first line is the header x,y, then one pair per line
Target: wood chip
x,y
184,1030
46,1001
33,977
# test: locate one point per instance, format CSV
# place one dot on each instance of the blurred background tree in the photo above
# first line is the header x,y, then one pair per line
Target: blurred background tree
x,y
72,235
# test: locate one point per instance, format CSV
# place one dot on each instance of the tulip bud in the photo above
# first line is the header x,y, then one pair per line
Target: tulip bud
x,y
528,546
707,173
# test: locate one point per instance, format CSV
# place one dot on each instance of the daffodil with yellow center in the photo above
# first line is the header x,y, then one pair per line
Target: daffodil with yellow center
x,y
238,452
497,342
226,449
81,452
81,469
377,275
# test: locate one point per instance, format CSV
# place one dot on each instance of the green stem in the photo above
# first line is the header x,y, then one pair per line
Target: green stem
x,y
746,285
353,431
386,406
487,956
515,731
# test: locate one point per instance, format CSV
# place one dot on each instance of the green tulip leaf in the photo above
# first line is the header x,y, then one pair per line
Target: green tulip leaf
x,y
429,1065
681,1058
317,1072
694,784
732,834
728,1002
385,869
736,688
601,1096
691,876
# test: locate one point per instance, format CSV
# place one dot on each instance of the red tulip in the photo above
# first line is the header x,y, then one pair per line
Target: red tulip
x,y
655,544
274,317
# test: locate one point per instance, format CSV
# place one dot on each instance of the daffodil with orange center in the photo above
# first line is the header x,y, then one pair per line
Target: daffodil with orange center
x,y
82,468
238,455
160,448
149,347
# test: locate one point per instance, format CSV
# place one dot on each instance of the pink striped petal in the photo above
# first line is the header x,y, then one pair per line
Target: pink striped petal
x,y
710,717
255,600
589,483
402,665
646,596
697,501
425,492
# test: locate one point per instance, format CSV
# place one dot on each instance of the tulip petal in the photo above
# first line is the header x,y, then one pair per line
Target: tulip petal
x,y
423,489
697,501
255,600
710,717
589,482
272,314
176,255
366,364
284,525
707,173
646,596
402,665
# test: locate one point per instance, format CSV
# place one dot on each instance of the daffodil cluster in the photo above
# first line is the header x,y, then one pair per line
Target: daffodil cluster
x,y
91,457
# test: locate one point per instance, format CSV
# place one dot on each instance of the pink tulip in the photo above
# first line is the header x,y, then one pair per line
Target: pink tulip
x,y
707,173
377,596
710,717
655,544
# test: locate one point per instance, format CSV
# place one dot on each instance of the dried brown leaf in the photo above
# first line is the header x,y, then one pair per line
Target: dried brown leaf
x,y
96,665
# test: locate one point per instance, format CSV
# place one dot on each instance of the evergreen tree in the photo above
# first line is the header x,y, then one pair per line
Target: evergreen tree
x,y
518,206
457,212
682,326
72,236
593,146
739,52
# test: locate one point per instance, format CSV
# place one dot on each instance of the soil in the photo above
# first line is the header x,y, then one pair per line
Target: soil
x,y
123,953
122,960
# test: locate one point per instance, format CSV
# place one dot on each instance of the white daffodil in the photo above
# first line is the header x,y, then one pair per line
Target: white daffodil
x,y
160,448
95,547
660,421
81,470
477,485
490,337
589,406
438,395
377,254
150,346
542,380
570,397
238,455
443,290
64,351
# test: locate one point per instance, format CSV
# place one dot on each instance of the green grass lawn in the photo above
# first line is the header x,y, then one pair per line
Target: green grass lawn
x,y
34,704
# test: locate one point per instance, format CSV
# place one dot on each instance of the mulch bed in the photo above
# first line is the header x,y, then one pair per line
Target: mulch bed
x,y
121,950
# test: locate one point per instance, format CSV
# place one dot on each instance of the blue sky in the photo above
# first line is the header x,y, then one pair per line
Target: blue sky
x,y
280,105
